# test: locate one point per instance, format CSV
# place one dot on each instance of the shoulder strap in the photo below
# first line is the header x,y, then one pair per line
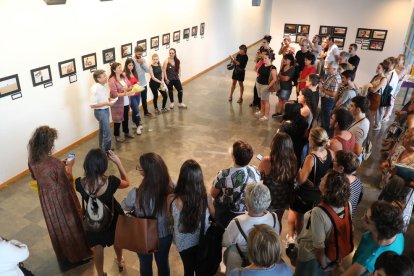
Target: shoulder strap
x,y
240,229
356,122
314,167
274,219
237,197
334,228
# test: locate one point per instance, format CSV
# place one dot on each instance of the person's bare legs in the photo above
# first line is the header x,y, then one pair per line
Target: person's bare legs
x,y
233,87
98,258
266,108
262,107
118,253
279,214
291,224
280,106
241,85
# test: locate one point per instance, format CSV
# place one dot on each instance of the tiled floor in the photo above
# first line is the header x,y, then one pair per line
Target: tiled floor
x,y
203,132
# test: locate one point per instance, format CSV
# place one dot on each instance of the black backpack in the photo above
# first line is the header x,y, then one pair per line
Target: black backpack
x,y
209,254
386,94
97,217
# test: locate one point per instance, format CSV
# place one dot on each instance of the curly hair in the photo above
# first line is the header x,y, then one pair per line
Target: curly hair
x,y
41,143
387,218
283,163
337,189
394,264
257,197
192,192
348,160
395,190
242,152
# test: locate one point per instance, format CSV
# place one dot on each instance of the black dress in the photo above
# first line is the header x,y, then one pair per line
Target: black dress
x,y
107,237
239,70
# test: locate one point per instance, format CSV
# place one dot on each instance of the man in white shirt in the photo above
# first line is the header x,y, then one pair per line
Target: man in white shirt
x,y
332,56
100,103
360,127
392,77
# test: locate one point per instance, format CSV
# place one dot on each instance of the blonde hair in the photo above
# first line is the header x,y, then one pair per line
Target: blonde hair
x,y
264,246
154,55
318,138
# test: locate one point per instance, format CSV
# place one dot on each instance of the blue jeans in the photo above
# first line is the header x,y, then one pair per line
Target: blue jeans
x,y
327,105
102,115
161,259
134,103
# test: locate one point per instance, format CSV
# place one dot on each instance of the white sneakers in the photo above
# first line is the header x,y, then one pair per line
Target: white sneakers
x,y
182,105
172,106
258,113
139,130
263,119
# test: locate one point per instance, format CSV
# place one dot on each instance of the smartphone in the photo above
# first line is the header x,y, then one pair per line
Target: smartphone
x,y
260,157
71,156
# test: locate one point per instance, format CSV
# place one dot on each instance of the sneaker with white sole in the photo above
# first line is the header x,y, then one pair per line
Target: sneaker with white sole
x,y
264,118
258,113
139,130
164,110
172,106
182,105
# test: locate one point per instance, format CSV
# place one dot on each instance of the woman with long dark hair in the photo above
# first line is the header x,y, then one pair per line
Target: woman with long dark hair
x,y
58,200
190,206
97,184
240,62
130,73
172,74
119,87
150,200
309,108
278,171
286,76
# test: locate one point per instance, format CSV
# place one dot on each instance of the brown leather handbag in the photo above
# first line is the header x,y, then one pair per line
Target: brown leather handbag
x,y
375,100
137,234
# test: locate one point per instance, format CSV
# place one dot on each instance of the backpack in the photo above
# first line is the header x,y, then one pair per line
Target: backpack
x,y
97,217
209,253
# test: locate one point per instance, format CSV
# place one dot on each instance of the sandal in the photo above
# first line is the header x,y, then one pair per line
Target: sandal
x,y
240,100
230,99
120,264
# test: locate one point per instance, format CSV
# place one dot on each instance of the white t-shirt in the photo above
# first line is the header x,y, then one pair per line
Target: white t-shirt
x,y
126,98
360,130
98,94
330,55
232,234
393,81
11,254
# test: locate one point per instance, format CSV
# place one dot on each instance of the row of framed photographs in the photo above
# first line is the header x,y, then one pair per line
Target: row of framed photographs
x,y
364,33
370,44
67,68
296,29
333,31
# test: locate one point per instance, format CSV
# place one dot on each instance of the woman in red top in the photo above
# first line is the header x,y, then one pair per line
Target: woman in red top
x,y
130,73
307,70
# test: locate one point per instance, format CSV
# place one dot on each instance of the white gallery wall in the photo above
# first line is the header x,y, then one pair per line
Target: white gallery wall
x,y
39,35
391,15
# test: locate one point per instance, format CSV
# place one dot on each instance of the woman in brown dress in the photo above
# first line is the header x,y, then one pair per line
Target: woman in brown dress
x,y
57,196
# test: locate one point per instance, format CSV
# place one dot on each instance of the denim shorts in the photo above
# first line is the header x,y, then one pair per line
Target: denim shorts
x,y
284,94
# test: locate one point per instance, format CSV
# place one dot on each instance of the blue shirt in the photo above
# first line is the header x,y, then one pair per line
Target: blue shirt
x,y
141,69
368,251
280,269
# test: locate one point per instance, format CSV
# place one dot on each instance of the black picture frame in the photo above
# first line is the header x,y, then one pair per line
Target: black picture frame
x,y
166,39
194,31
340,42
363,33
379,34
67,67
290,28
155,42
9,85
186,33
202,28
143,44
41,75
176,36
303,29
376,45
298,38
108,55
325,30
339,31
89,61
126,50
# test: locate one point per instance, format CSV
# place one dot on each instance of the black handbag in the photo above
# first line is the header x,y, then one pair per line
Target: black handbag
x,y
231,65
386,94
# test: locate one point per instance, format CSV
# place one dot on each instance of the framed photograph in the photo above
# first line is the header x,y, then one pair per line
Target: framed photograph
x,y
379,34
108,55
126,50
339,41
177,36
376,45
304,29
358,41
202,26
41,75
143,44
325,30
155,42
339,31
186,33
9,85
67,67
299,38
291,28
89,61
166,39
363,33
194,31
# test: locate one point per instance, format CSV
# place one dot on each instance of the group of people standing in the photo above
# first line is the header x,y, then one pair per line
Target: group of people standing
x,y
123,95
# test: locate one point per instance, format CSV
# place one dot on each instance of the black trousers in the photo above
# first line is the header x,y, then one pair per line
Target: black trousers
x,y
179,87
154,89
256,99
125,128
189,258
144,100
